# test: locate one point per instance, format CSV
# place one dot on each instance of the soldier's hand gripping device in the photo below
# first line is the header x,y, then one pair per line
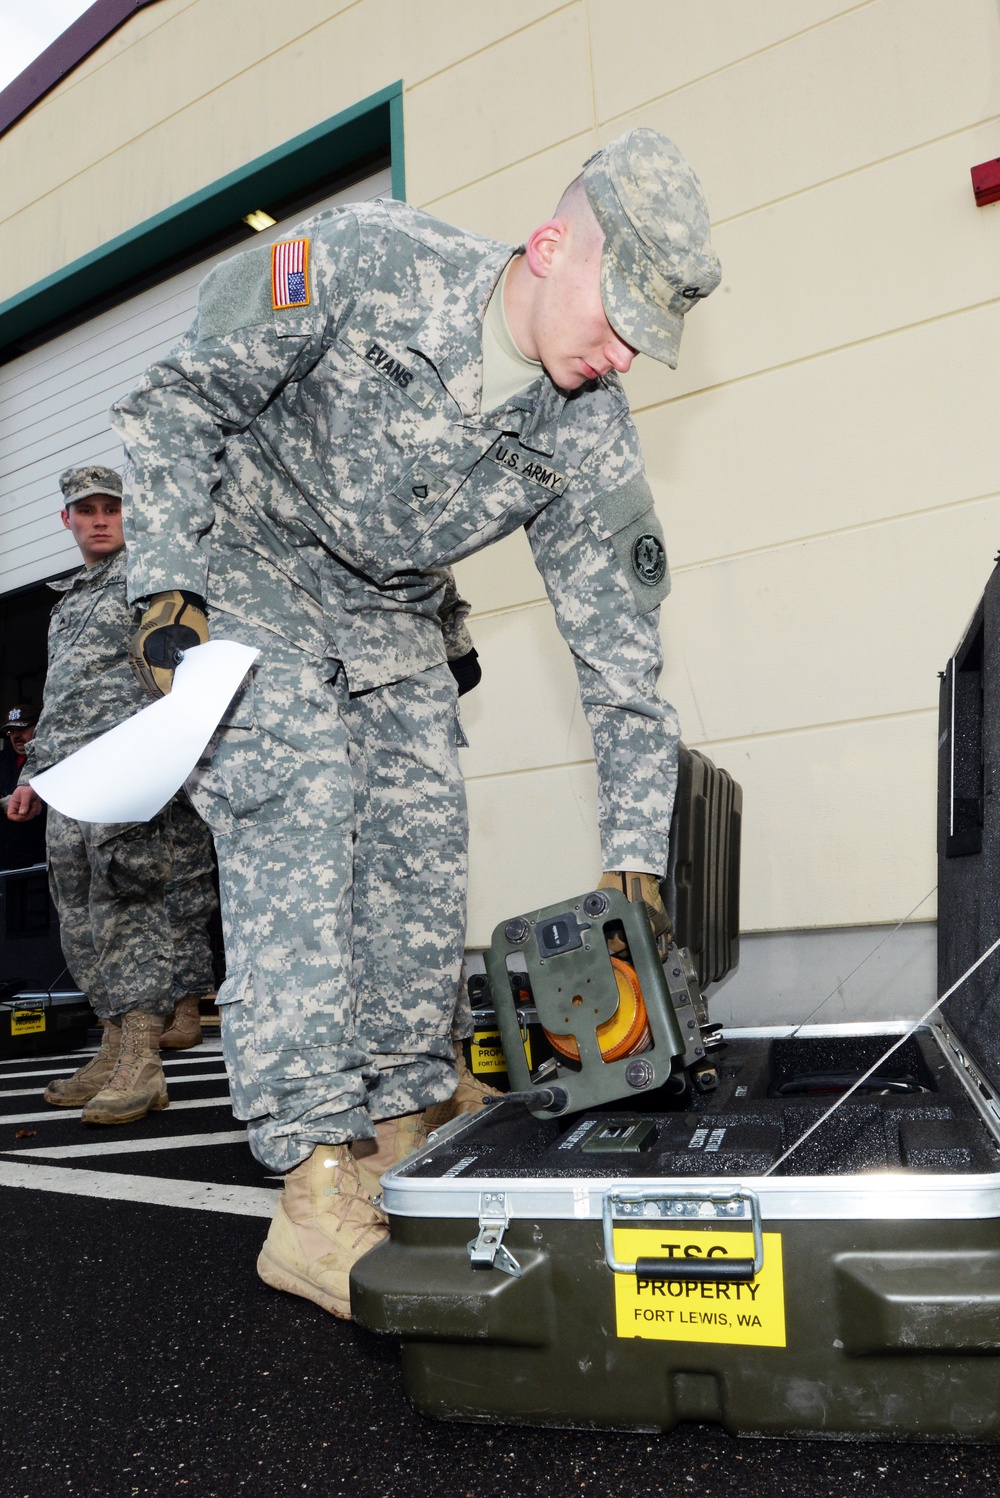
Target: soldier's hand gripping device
x,y
170,624
621,1019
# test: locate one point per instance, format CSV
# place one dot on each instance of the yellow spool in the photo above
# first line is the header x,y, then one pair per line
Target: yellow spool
x,y
626,1033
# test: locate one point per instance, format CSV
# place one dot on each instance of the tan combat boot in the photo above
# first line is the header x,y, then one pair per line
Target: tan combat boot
x,y
137,1085
325,1221
184,1030
467,1097
395,1138
74,1091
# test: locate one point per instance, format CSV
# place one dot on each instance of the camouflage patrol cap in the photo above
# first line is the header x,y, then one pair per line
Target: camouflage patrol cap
x,y
81,483
657,261
21,715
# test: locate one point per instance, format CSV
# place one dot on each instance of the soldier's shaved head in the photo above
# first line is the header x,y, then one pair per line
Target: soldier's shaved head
x,y
574,207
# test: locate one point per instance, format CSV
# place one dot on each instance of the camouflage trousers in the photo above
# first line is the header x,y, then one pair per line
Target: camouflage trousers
x,y
134,903
340,827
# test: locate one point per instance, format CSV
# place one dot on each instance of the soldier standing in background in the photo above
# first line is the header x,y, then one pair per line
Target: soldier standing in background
x,y
134,900
356,408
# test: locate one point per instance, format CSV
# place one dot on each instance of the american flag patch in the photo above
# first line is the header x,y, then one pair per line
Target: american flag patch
x,y
290,274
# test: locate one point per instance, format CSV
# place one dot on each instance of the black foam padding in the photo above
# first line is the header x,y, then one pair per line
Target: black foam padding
x,y
743,1129
847,1054
935,1144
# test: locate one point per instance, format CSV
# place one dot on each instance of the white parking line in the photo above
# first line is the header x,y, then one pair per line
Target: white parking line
x,y
205,1196
204,1076
54,1114
85,1050
67,1071
132,1146
20,1092
48,1071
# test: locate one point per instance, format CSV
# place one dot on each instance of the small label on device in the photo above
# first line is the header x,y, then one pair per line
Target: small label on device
x,y
459,1166
580,1132
621,1138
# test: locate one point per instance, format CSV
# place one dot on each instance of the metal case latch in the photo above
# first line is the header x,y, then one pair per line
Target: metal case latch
x,y
487,1250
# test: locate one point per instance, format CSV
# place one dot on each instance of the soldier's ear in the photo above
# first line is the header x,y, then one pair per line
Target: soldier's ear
x,y
65,518
543,245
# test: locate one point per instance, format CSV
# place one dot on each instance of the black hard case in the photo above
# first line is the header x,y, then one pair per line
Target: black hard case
x,y
882,1229
702,887
41,1010
969,833
886,1223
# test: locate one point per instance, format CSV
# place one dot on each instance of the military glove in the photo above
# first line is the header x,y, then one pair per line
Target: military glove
x,y
466,671
170,624
644,888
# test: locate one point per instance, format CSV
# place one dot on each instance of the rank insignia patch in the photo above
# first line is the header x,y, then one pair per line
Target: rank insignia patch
x,y
290,274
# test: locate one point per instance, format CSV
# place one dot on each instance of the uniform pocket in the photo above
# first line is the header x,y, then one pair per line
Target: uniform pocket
x,y
251,769
627,518
131,863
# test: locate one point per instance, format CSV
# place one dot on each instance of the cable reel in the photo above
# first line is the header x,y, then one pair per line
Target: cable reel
x,y
621,1018
626,1033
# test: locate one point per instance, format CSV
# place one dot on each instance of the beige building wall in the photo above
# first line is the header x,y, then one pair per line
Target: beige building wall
x,y
824,460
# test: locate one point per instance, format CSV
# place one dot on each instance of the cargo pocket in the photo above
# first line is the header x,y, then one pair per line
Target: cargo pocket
x,y
277,1015
130,863
251,770
628,520
235,989
302,1015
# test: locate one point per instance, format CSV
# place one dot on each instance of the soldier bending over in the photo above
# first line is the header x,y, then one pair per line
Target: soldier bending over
x,y
354,409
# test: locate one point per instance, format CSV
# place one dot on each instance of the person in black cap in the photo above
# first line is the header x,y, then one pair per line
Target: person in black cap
x,y
21,844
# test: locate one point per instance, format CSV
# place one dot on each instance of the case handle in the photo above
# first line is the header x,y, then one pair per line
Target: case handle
x,y
650,1205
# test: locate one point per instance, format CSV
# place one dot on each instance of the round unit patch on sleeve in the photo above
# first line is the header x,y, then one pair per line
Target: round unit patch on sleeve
x,y
649,559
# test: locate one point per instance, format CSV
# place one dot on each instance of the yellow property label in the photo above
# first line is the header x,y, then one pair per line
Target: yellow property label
x,y
26,1021
487,1052
751,1312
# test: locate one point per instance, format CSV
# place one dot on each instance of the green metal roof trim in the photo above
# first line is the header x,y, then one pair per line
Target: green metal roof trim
x,y
373,124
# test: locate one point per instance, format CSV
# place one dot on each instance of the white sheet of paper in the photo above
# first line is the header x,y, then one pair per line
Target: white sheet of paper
x,y
132,771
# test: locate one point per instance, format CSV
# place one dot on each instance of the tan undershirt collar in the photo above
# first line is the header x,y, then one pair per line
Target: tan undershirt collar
x,y
506,371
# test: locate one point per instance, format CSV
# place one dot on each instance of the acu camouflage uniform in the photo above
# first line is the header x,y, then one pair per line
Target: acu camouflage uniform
x,y
310,458
134,899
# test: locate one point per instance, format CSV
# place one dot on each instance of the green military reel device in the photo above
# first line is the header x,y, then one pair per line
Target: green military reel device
x,y
621,1019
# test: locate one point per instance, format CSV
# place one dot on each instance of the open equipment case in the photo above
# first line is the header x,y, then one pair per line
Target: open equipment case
x,y
658,1256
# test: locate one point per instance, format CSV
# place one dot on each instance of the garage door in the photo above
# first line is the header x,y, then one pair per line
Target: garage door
x,y
54,403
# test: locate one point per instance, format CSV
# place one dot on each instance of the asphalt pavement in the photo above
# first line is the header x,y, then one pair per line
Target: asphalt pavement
x,y
140,1354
